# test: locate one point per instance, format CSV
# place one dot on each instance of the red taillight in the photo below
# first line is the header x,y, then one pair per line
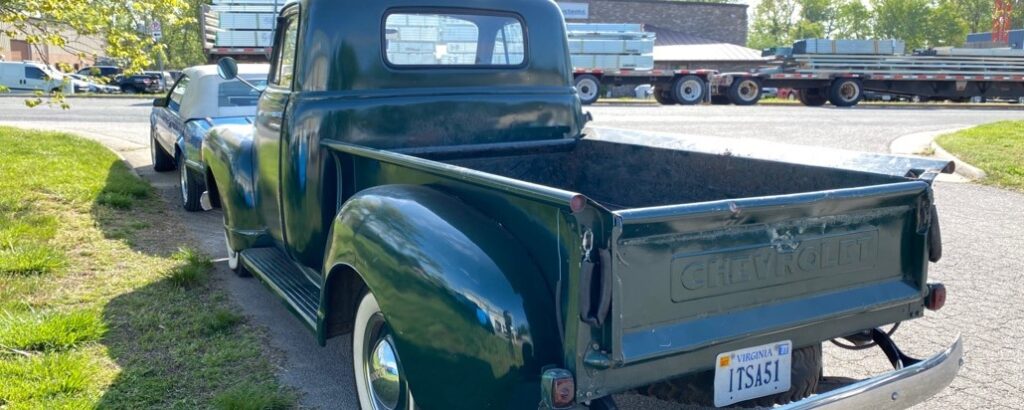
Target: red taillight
x,y
936,298
559,388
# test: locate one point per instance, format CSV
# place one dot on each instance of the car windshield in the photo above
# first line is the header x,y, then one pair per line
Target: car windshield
x,y
237,94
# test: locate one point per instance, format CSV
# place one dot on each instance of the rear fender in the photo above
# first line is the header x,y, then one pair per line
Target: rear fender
x,y
473,319
228,154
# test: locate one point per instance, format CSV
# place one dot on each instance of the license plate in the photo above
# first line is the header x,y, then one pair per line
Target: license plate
x,y
753,372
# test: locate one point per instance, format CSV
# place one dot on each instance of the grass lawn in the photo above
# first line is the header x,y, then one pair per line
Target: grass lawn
x,y
997,148
102,305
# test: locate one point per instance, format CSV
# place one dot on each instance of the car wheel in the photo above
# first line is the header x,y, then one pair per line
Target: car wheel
x,y
699,388
380,382
162,161
234,259
846,92
689,90
191,188
745,91
589,88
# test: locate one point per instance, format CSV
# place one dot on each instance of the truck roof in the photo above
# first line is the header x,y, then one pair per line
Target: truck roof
x,y
343,55
348,35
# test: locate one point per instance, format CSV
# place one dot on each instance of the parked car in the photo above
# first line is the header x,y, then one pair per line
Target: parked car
x,y
485,250
179,122
145,82
105,71
89,84
30,76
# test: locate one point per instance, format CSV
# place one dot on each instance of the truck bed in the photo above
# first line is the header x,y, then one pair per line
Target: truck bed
x,y
622,176
718,245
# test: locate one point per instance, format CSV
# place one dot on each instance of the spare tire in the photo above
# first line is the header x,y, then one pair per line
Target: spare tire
x,y
699,388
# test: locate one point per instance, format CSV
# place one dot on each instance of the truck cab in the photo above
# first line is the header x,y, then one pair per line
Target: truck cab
x,y
419,177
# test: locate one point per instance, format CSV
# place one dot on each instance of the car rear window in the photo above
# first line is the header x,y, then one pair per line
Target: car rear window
x,y
236,94
429,39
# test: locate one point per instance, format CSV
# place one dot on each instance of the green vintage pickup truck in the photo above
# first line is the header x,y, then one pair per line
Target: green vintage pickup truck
x,y
420,178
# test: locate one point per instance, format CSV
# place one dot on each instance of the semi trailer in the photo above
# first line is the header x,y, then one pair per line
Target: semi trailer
x,y
241,29
621,54
841,71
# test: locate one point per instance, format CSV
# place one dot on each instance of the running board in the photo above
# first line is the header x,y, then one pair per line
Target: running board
x,y
280,274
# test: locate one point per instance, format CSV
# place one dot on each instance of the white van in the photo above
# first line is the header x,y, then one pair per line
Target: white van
x,y
29,76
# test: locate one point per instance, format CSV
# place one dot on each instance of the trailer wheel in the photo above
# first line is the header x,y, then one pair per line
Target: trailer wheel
x,y
664,97
699,388
812,97
589,88
846,92
745,91
689,90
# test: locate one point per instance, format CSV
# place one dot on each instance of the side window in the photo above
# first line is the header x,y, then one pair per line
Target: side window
x,y
284,67
178,93
34,73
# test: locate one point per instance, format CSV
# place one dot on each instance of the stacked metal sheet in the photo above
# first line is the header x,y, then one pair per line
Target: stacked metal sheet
x,y
850,47
246,23
611,46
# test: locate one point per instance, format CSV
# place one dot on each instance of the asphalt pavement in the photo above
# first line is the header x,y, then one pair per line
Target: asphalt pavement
x,y
982,266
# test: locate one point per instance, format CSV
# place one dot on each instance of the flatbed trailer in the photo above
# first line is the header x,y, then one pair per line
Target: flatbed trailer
x,y
842,79
686,87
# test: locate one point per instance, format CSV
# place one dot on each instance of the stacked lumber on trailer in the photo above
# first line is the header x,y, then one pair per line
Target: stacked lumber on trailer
x,y
611,47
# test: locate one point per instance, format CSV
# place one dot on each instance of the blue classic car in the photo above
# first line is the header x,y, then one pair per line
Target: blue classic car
x,y
199,100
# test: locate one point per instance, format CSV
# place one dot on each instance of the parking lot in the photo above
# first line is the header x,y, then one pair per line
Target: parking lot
x,y
982,267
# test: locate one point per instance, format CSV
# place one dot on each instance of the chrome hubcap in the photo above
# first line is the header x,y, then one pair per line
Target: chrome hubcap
x,y
587,89
384,380
691,90
848,91
748,90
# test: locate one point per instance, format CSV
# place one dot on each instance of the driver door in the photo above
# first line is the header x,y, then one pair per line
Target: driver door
x,y
271,125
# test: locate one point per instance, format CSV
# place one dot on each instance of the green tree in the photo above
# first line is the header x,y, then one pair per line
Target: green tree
x,y
977,14
906,20
946,25
853,21
46,22
182,43
773,24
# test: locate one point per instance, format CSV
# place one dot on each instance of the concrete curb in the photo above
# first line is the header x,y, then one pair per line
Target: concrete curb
x,y
923,144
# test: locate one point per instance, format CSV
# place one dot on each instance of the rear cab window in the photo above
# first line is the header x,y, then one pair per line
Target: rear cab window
x,y
454,39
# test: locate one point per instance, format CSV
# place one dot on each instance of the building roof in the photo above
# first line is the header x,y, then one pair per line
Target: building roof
x,y
672,45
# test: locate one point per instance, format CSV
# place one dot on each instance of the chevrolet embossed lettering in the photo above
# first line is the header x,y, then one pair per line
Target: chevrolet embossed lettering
x,y
706,275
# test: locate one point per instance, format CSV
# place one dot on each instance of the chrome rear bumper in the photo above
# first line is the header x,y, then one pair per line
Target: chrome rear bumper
x,y
899,389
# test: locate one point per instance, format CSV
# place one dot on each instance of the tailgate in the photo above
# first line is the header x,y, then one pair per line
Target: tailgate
x,y
705,277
